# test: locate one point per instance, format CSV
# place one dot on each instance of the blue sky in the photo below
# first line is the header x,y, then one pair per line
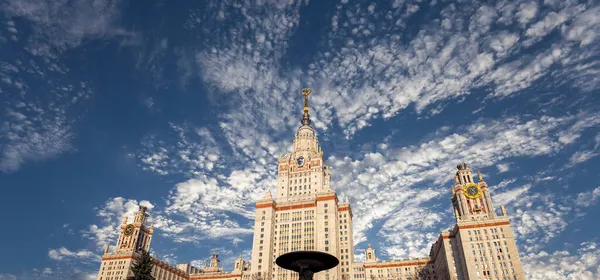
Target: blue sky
x,y
184,108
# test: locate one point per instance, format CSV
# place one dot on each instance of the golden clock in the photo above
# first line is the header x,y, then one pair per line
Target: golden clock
x,y
472,191
129,229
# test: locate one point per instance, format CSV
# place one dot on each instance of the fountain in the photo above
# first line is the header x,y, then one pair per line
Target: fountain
x,y
307,263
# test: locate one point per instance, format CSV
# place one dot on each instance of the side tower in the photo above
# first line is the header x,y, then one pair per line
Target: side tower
x,y
471,200
134,238
482,242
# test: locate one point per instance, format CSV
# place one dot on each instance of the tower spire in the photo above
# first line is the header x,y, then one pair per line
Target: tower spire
x,y
306,117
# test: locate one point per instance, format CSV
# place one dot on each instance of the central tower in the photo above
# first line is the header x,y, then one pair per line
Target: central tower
x,y
302,172
306,213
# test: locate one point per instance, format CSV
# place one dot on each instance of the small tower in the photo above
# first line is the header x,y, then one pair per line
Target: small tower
x,y
239,265
214,264
370,255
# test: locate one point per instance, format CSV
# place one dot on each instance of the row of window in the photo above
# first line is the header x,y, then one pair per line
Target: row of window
x,y
502,272
499,257
485,231
477,238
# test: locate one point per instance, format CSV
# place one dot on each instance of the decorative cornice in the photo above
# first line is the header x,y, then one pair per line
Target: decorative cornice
x,y
480,225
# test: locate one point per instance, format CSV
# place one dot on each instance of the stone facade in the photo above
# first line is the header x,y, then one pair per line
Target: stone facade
x,y
308,215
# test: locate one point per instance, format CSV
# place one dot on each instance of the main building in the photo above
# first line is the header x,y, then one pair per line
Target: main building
x,y
307,215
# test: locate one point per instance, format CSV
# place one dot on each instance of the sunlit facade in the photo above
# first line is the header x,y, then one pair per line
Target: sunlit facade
x,y
307,214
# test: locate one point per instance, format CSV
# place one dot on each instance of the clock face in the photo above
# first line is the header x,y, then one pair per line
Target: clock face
x,y
300,161
128,229
472,191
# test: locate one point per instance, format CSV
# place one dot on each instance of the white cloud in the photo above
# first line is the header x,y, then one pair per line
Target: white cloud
x,y
40,96
65,254
505,183
527,11
511,195
47,271
202,208
59,25
539,217
502,167
34,129
4,276
377,78
587,199
580,157
38,112
562,264
196,151
66,271
550,21
585,28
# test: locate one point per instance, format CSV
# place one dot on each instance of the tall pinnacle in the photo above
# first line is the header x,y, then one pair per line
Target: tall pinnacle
x,y
306,117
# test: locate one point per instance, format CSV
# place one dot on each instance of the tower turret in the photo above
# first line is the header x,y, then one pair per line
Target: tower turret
x,y
471,199
370,255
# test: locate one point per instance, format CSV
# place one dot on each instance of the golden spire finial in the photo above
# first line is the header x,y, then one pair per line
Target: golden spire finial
x,y
306,117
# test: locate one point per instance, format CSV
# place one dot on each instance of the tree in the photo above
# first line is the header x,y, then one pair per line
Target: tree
x,y
142,270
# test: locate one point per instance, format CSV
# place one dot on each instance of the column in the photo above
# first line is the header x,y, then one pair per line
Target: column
x,y
488,202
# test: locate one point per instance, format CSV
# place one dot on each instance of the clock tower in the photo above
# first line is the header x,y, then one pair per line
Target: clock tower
x,y
470,199
482,243
135,236
302,173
